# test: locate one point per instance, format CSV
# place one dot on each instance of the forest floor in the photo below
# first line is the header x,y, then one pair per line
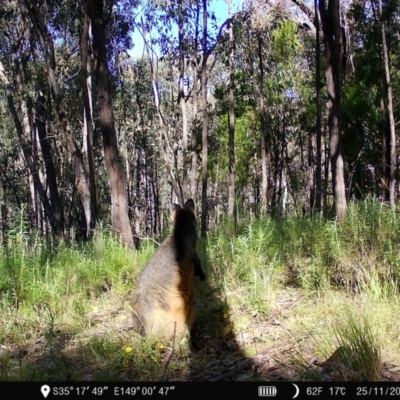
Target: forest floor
x,y
301,299
289,342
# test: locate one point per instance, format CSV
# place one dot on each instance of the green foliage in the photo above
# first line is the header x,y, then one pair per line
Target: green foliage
x,y
244,145
285,43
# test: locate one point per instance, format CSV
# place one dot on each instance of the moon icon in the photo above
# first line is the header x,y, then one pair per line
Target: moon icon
x,y
297,390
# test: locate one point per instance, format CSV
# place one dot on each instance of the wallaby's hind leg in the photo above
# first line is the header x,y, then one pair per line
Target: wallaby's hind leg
x,y
139,320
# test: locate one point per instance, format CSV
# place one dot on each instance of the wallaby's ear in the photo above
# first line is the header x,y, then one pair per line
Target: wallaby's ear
x,y
189,204
174,209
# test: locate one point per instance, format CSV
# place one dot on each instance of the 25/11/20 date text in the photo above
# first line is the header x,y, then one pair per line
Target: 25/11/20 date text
x,y
378,391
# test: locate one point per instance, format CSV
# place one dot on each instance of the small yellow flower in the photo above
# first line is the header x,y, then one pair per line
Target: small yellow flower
x,y
153,358
160,345
128,349
226,315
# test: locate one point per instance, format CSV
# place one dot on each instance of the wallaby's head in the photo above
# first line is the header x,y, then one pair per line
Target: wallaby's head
x,y
184,218
177,212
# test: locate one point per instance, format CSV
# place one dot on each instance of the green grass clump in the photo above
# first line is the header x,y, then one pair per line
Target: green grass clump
x,y
351,352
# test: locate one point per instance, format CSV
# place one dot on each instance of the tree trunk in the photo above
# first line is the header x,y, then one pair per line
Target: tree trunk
x,y
231,143
318,178
155,188
3,209
204,152
385,148
392,152
45,146
115,172
88,155
263,133
330,18
182,101
193,174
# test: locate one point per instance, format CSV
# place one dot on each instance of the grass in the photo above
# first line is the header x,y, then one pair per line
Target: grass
x,y
298,290
351,351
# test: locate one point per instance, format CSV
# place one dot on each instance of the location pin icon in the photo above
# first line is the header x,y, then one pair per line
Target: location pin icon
x,y
45,389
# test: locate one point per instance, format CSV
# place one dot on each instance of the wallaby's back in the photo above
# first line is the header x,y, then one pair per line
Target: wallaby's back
x,y
165,295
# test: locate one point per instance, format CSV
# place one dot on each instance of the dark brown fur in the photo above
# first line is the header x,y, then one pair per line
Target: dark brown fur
x,y
165,294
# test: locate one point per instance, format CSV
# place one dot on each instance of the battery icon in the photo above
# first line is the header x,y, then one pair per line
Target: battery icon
x,y
267,391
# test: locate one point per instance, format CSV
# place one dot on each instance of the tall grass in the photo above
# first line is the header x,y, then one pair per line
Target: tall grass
x,y
314,252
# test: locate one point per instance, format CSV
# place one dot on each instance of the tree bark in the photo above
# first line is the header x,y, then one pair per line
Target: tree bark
x,y
182,101
231,142
392,152
318,178
385,148
115,172
264,149
204,151
333,40
193,174
88,155
45,146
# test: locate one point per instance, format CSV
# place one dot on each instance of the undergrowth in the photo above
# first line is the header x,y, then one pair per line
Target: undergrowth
x,y
293,269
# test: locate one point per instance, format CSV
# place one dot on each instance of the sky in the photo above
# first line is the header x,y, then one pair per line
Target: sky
x,y
219,7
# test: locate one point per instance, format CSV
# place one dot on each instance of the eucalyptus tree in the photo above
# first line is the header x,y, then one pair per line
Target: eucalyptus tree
x,y
265,139
333,43
42,55
170,100
231,144
88,124
100,17
389,105
204,134
195,101
269,137
182,16
368,131
318,172
186,46
141,145
42,34
27,110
